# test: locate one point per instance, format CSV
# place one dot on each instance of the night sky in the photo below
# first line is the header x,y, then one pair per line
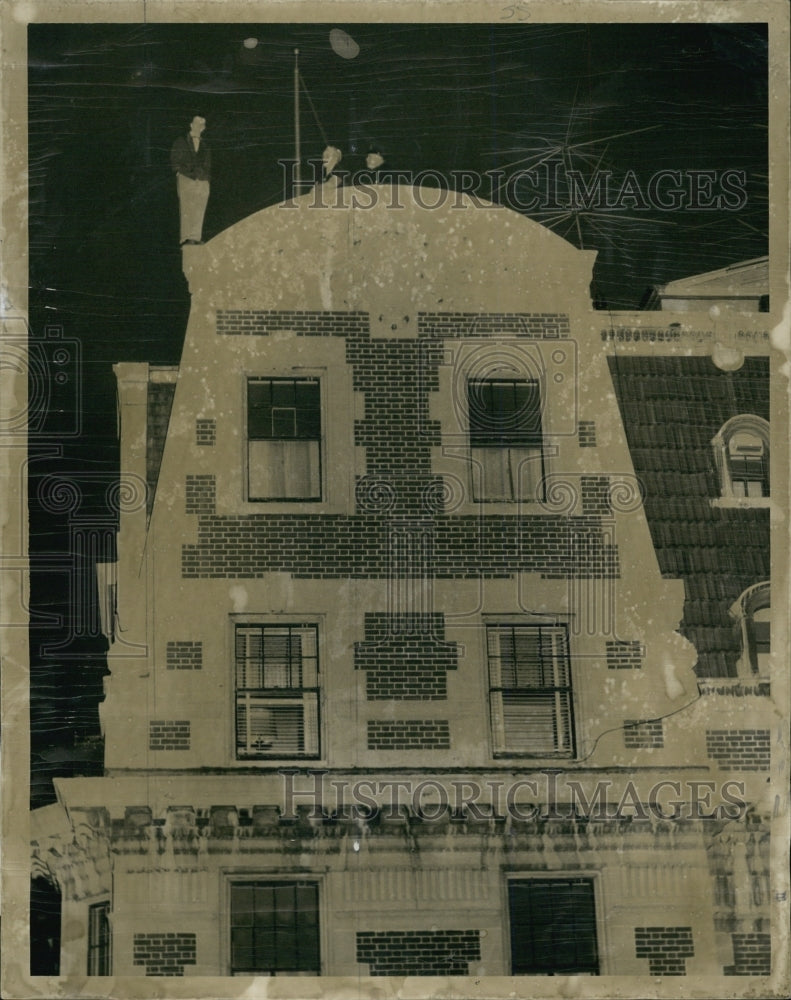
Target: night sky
x,y
107,101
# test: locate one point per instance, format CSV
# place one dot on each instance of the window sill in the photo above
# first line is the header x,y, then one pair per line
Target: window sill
x,y
736,502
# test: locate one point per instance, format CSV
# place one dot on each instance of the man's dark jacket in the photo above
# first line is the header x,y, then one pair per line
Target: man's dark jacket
x,y
185,160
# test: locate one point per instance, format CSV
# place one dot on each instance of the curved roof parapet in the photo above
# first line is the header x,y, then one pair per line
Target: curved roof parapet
x,y
355,248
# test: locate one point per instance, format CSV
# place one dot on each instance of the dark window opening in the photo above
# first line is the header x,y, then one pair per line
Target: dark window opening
x,y
506,440
553,927
283,439
274,928
45,916
530,690
277,693
99,939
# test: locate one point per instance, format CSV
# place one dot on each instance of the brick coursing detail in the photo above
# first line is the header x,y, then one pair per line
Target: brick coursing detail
x,y
334,546
596,495
164,954
405,657
205,431
409,734
739,749
304,323
200,493
666,949
624,655
643,734
184,655
396,376
318,323
534,326
752,955
167,734
419,953
586,434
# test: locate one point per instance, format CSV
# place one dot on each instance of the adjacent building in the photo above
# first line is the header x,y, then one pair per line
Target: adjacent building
x,y
440,623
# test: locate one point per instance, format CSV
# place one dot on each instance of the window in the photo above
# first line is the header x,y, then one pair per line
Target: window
x,y
741,451
506,444
283,439
530,690
753,612
553,927
274,928
277,699
99,939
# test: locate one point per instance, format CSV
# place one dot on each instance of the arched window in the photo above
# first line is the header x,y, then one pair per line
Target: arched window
x,y
741,451
753,612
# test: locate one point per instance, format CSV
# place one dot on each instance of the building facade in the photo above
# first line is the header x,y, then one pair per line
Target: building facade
x,y
438,647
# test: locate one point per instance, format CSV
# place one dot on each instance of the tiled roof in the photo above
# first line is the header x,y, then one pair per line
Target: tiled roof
x,y
672,408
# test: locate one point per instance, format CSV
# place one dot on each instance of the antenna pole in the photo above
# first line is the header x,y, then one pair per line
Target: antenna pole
x,y
297,143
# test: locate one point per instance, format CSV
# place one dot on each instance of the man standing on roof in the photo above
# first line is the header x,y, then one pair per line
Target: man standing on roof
x,y
190,158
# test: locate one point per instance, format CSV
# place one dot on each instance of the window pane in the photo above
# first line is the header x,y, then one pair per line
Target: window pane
x,y
530,700
242,904
284,935
284,422
503,412
276,703
242,952
491,474
283,408
99,939
308,411
506,473
282,392
284,470
553,927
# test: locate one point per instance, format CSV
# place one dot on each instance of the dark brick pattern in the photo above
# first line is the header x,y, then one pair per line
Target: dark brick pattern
x,y
596,495
409,734
586,434
396,376
406,657
643,734
205,431
159,402
200,494
666,949
164,954
184,655
166,734
739,749
624,655
304,323
672,408
535,326
337,546
419,953
399,490
752,955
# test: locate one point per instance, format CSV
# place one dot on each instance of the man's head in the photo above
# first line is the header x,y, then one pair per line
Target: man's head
x,y
374,159
197,125
330,159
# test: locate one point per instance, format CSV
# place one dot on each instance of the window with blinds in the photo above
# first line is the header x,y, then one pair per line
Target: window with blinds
x,y
283,439
275,928
277,691
506,442
99,939
748,463
530,690
553,927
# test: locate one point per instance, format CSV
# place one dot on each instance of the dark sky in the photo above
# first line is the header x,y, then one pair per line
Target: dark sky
x,y
106,102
